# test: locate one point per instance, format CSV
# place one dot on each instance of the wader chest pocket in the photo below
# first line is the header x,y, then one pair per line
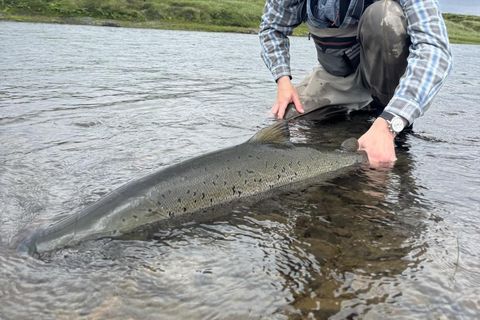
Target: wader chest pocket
x,y
339,56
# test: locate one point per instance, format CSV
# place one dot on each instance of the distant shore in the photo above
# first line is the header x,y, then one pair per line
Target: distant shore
x,y
89,21
208,15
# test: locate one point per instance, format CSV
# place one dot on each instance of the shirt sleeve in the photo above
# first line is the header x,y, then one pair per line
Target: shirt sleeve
x,y
279,19
429,60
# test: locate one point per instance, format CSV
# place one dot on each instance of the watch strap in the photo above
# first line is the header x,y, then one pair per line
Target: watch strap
x,y
387,116
391,118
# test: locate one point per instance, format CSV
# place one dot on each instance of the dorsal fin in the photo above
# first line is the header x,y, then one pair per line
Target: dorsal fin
x,y
277,133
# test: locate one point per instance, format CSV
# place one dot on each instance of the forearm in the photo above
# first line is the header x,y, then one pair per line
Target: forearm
x,y
429,60
278,21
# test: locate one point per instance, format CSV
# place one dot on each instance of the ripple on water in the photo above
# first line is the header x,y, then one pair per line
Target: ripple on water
x,y
80,118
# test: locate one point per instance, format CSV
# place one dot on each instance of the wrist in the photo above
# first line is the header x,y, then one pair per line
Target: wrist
x,y
283,80
381,126
395,123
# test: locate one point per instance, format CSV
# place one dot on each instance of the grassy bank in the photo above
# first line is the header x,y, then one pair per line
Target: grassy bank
x,y
205,15
463,28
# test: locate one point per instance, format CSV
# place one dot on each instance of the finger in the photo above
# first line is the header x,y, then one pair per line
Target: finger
x,y
274,109
298,104
281,110
385,164
373,164
361,147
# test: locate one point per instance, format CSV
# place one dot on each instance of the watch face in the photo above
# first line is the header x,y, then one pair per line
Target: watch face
x,y
397,124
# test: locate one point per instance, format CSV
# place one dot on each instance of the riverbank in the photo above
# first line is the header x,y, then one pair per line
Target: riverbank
x,y
241,16
166,25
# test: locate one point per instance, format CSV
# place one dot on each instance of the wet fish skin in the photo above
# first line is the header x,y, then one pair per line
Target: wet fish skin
x,y
188,190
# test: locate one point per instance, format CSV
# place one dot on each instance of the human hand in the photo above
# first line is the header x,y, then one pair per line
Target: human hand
x,y
286,93
378,143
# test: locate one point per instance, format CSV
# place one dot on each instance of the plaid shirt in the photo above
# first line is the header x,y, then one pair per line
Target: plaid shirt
x,y
429,61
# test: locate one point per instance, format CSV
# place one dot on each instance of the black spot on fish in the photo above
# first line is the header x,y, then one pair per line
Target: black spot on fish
x,y
163,196
184,209
213,182
239,193
250,156
298,162
171,214
195,193
245,181
179,200
203,195
188,191
224,183
123,219
260,180
159,203
150,210
250,171
135,217
195,201
233,189
217,176
211,200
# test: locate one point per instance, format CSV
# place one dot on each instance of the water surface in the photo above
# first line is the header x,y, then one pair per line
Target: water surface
x,y
85,109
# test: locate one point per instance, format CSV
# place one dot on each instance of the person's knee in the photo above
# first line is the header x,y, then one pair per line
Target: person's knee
x,y
383,23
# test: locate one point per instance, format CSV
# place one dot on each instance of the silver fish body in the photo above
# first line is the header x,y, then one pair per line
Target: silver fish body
x,y
188,190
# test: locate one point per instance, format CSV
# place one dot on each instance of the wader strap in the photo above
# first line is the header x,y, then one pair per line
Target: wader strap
x,y
344,4
334,42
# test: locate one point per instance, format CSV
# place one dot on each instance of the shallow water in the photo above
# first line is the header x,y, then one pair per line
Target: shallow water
x,y
85,109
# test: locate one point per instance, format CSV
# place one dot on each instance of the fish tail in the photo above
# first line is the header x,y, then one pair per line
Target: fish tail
x,y
26,242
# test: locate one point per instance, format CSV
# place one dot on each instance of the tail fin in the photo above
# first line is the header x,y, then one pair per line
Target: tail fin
x,y
25,242
351,145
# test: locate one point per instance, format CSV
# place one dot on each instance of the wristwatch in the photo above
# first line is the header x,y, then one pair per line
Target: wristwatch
x,y
395,123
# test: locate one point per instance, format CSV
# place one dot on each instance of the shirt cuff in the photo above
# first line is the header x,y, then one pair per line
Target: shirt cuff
x,y
281,71
407,109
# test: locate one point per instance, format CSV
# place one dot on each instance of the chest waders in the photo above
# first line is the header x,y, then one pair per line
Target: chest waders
x,y
338,50
356,62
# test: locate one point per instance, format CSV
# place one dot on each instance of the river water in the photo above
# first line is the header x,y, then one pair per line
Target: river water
x,y
85,109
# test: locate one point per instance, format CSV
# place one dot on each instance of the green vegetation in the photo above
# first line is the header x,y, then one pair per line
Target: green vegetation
x,y
225,15
462,28
207,15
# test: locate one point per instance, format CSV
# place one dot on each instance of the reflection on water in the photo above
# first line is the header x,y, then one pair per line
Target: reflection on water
x,y
80,117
